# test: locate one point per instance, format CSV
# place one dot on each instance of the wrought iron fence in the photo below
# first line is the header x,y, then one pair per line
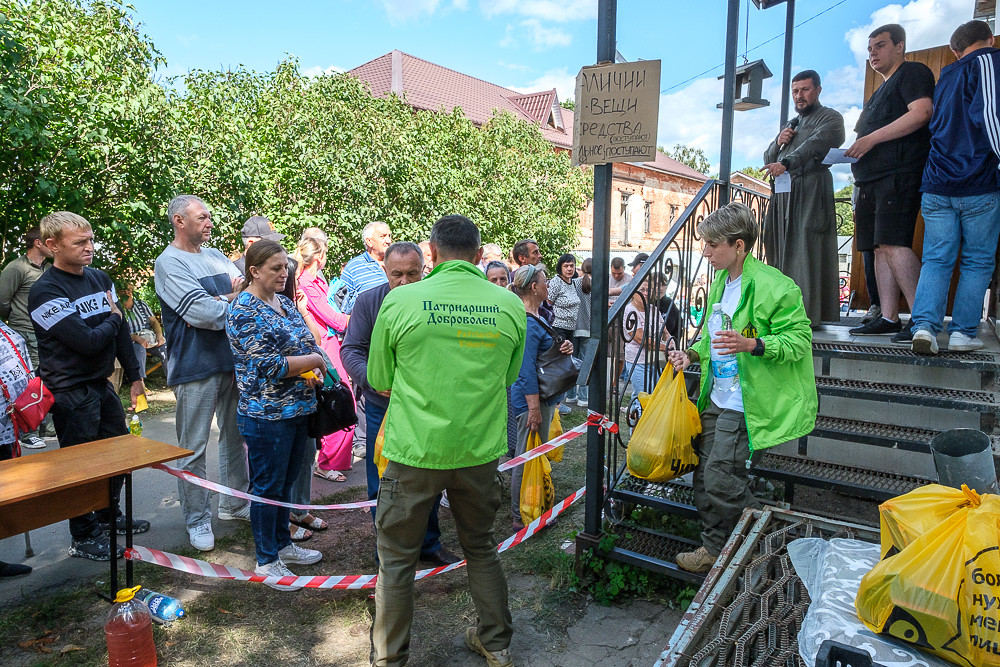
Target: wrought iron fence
x,y
663,306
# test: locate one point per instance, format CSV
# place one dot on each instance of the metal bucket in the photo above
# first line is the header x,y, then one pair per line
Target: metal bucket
x,y
965,456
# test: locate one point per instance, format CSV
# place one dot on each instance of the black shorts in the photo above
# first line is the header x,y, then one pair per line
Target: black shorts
x,y
886,211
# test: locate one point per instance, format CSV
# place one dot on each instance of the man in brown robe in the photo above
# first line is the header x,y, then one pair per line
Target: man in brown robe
x,y
800,228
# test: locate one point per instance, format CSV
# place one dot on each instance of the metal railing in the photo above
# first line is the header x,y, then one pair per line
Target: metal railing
x,y
662,306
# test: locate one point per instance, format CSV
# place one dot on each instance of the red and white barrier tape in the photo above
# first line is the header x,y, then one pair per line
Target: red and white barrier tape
x,y
593,419
225,490
349,582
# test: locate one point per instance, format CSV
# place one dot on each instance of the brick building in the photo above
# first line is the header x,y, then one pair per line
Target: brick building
x,y
647,197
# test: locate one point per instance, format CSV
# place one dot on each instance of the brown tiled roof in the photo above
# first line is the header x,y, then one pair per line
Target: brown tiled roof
x,y
433,87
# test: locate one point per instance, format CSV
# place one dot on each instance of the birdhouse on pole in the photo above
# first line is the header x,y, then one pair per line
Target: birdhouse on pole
x,y
751,75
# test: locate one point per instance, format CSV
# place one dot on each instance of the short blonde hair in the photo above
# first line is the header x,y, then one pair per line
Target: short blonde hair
x,y
52,225
309,250
729,223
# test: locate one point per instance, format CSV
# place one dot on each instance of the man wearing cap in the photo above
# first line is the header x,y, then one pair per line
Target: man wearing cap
x,y
195,285
256,228
637,263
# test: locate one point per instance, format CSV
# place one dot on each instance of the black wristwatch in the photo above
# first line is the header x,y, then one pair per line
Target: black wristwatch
x,y
758,351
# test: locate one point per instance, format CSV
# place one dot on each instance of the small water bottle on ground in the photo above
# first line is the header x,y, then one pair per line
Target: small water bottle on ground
x,y
725,372
135,426
129,632
163,608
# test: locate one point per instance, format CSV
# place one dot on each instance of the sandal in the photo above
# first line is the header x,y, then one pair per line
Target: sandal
x,y
330,475
307,520
300,534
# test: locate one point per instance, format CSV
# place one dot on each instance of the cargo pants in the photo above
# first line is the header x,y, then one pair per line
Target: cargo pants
x,y
405,497
721,479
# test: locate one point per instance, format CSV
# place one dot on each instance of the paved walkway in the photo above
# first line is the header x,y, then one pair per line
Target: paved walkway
x,y
155,499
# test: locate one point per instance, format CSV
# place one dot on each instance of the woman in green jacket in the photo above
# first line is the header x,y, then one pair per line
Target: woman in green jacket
x,y
758,389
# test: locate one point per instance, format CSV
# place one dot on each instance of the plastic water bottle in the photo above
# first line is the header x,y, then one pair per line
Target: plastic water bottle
x,y
135,426
725,372
163,608
129,632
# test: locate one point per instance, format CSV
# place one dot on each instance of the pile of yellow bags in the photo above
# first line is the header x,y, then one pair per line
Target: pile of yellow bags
x,y
938,585
660,447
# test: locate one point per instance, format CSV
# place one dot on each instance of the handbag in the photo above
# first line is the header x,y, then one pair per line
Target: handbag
x,y
334,408
29,409
557,372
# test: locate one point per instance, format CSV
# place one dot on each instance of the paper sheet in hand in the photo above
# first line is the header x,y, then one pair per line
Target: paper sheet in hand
x,y
836,156
782,184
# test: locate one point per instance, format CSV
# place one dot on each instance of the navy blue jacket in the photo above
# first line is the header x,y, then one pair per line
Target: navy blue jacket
x,y
965,128
358,339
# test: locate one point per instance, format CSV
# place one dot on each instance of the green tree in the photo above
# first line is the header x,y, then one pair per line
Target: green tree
x,y
82,125
692,157
568,104
757,172
845,219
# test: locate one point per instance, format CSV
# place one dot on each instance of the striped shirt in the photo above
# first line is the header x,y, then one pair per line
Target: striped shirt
x,y
137,316
360,275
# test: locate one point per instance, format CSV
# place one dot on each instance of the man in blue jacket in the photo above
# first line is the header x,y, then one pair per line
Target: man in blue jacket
x,y
961,193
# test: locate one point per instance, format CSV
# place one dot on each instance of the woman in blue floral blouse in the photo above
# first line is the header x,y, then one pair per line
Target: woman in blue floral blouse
x,y
273,348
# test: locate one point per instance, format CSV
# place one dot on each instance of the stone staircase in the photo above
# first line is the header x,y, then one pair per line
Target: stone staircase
x,y
879,407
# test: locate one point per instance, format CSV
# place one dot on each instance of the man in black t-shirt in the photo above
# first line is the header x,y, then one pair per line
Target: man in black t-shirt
x,y
892,147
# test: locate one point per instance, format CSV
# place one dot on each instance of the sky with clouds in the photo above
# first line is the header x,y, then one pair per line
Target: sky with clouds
x,y
532,45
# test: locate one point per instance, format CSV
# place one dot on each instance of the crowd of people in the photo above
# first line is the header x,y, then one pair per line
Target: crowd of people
x,y
921,147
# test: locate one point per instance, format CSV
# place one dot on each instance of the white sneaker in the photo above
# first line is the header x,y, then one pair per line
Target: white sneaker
x,y
293,553
242,514
959,342
583,402
924,342
32,442
277,569
358,451
201,536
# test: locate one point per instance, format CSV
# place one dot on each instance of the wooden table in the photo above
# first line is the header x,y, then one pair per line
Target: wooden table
x,y
51,486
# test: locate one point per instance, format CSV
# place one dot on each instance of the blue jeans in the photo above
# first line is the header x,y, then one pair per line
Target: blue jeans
x,y
963,229
374,414
637,378
275,449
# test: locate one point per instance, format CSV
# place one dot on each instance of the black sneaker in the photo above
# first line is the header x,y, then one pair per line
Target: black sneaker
x,y
876,327
138,526
905,334
94,548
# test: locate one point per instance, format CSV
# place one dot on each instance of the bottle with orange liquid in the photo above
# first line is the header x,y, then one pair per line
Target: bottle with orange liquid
x,y
129,632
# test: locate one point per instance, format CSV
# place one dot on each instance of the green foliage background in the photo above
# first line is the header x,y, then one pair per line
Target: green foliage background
x,y
87,125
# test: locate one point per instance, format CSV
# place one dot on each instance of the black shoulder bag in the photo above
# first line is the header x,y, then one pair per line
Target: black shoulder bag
x,y
557,372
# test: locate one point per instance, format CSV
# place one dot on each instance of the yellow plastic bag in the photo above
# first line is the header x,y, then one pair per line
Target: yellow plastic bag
x,y
660,447
555,428
538,495
380,461
942,591
907,517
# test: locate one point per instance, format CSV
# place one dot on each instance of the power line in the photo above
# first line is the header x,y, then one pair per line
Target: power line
x,y
779,35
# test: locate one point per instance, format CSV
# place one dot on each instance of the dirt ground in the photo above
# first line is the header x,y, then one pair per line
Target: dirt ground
x,y
241,623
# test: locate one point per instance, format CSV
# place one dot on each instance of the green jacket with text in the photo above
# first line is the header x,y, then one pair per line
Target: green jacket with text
x,y
447,347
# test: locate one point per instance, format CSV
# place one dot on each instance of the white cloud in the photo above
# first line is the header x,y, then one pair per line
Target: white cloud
x,y
319,70
927,23
400,11
545,38
509,40
513,66
548,10
560,79
187,40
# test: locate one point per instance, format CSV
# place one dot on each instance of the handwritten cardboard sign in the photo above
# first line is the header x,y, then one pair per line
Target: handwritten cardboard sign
x,y
617,106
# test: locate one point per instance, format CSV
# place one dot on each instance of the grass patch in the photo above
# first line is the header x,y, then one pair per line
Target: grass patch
x,y
238,623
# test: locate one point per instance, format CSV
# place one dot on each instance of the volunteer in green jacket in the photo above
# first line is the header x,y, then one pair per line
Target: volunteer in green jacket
x,y
766,398
446,348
